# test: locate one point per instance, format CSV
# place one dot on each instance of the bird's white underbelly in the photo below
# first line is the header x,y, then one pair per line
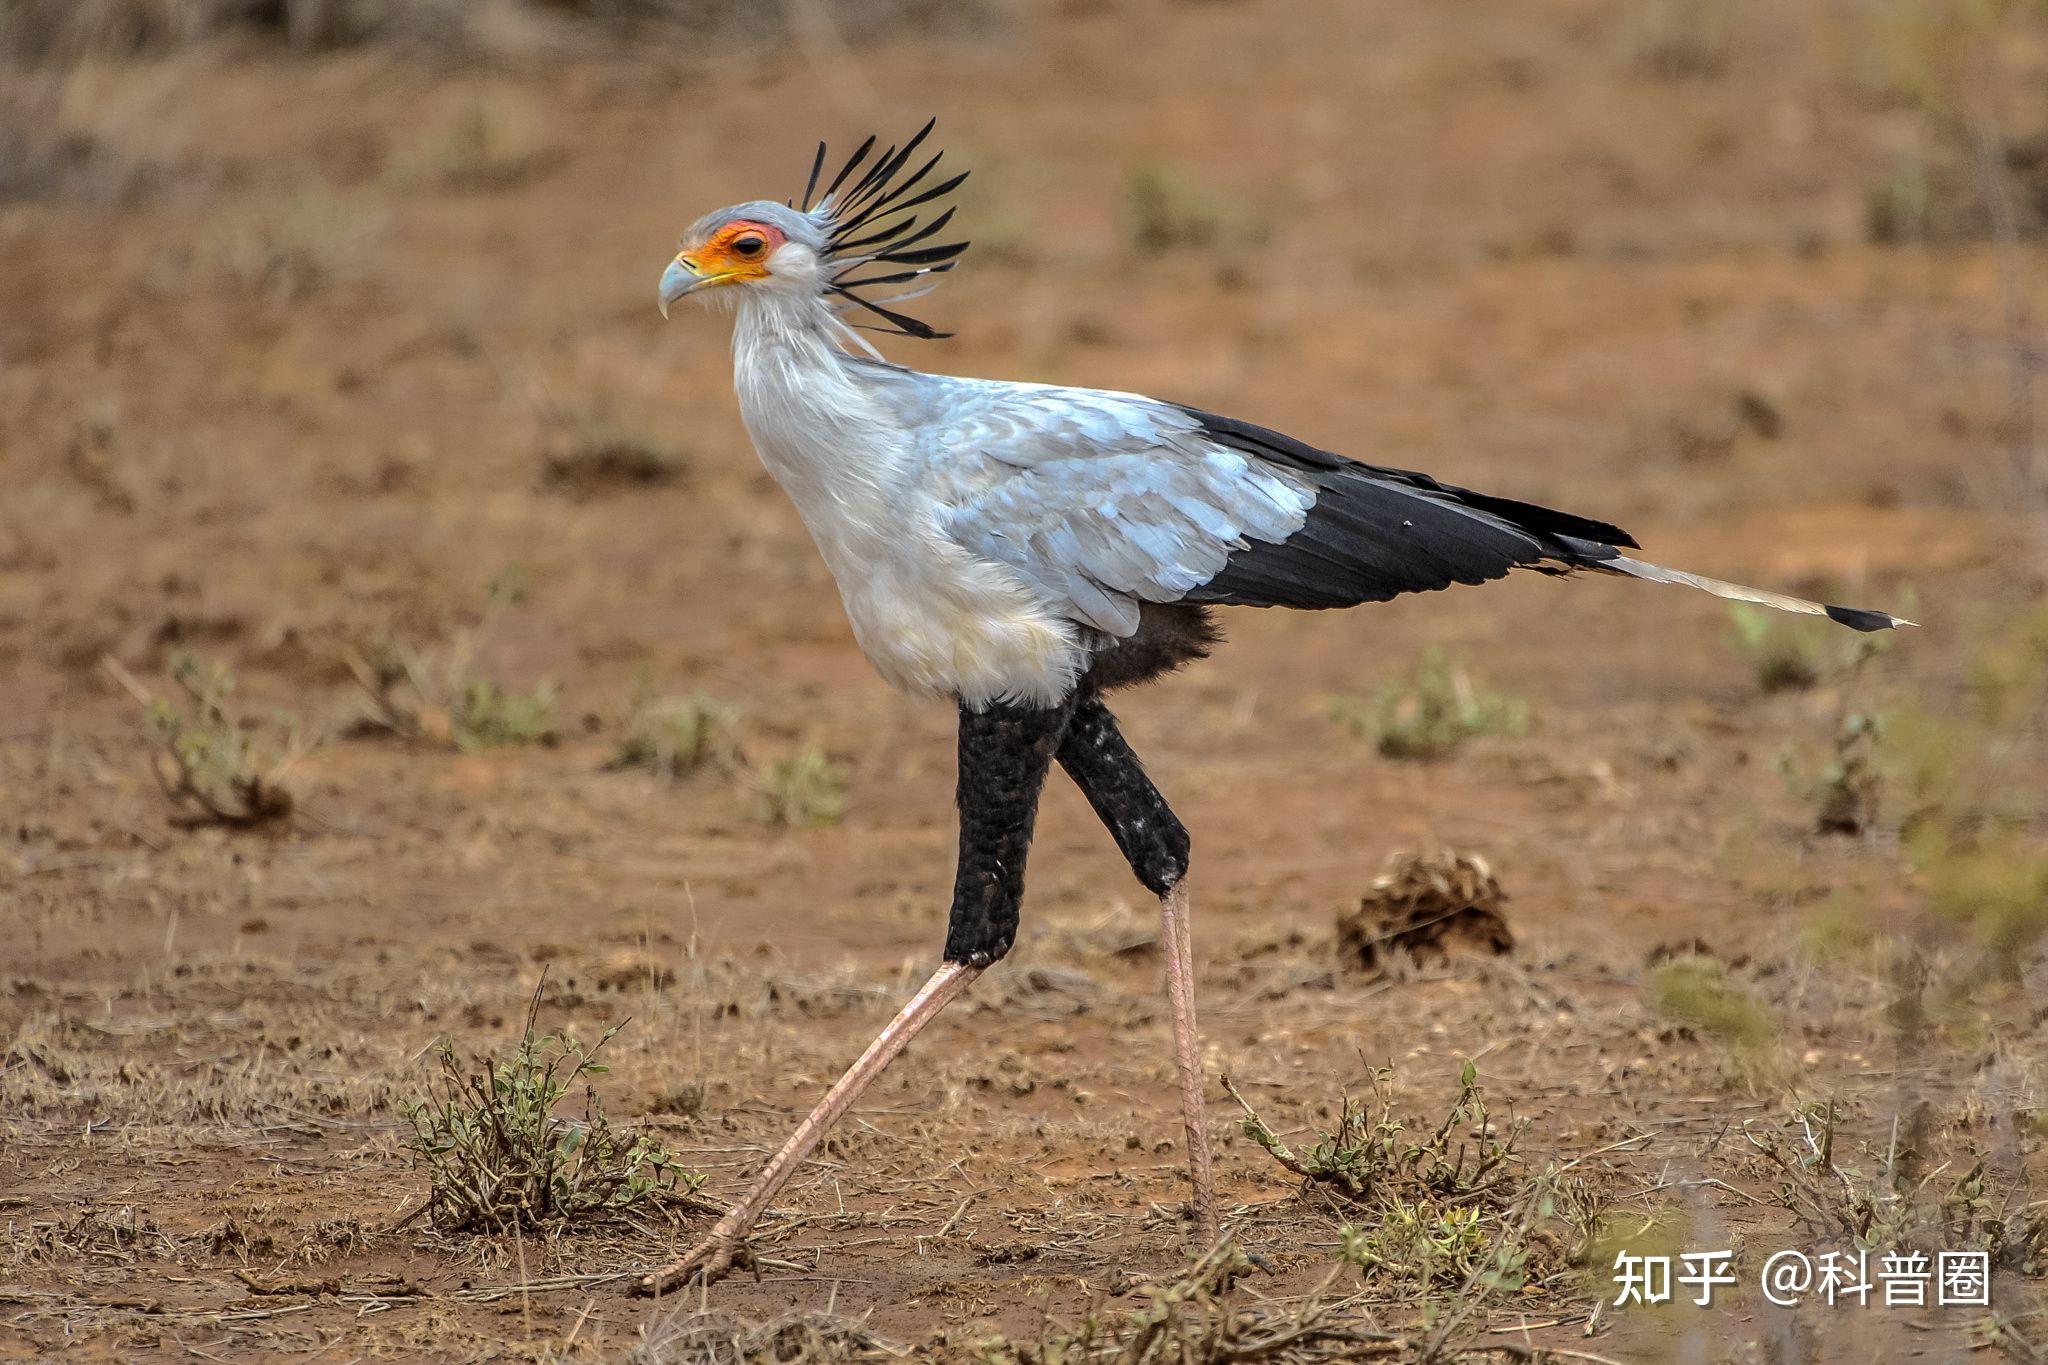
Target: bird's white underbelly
x,y
933,619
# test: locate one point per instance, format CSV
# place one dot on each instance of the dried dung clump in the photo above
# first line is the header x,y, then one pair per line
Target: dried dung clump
x,y
1426,905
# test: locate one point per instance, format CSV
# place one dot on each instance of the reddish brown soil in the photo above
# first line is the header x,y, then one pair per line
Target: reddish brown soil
x,y
277,379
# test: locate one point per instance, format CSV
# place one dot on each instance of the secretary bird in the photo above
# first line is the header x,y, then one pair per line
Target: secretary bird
x,y
1023,549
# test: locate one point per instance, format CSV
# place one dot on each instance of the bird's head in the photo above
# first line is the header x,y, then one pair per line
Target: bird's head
x,y
759,246
822,246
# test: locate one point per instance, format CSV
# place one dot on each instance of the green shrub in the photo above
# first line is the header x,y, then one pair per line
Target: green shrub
x,y
486,715
498,1155
1430,714
207,764
673,737
1699,993
806,788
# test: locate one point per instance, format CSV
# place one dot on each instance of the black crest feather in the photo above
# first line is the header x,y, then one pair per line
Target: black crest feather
x,y
868,207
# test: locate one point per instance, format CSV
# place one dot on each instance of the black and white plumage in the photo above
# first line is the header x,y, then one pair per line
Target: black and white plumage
x,y
1022,548
990,538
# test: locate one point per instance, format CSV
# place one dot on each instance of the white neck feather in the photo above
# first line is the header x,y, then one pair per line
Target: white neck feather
x,y
813,415
930,616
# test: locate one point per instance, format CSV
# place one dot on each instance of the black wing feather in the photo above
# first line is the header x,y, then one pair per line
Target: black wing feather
x,y
1375,533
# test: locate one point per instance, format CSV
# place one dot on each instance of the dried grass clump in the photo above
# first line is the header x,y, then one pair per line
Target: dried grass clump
x,y
108,1234
1884,1203
607,462
280,251
1678,40
1424,905
488,142
1197,1318
63,1069
498,1156
797,1339
63,29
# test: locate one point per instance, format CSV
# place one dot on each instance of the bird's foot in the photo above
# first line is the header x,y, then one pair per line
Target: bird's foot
x,y
705,1263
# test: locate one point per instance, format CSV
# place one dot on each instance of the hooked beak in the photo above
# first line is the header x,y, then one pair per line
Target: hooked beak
x,y
680,279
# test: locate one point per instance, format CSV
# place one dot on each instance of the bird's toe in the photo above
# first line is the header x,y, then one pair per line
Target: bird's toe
x,y
706,1263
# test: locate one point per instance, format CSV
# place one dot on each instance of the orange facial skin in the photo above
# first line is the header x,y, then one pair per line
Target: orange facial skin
x,y
736,253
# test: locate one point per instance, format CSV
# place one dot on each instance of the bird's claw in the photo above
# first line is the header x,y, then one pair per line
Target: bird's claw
x,y
705,1263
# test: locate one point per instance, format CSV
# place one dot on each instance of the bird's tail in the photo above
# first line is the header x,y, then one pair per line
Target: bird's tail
x,y
1855,618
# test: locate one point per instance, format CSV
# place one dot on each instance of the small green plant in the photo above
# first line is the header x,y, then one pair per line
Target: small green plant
x,y
1435,1244
673,737
1998,886
807,788
442,700
1430,714
207,766
1698,993
1901,207
1784,655
1971,794
487,715
499,1156
1167,208
1450,1204
444,704
1792,653
1849,789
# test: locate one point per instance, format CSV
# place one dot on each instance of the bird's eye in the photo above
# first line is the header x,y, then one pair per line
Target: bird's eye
x,y
748,246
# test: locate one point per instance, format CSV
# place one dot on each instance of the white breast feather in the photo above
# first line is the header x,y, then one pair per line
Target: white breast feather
x,y
931,616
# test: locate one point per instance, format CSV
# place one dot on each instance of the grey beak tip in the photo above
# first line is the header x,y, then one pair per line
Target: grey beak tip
x,y
676,281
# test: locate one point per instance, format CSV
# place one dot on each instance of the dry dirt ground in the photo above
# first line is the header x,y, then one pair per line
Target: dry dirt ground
x,y
287,343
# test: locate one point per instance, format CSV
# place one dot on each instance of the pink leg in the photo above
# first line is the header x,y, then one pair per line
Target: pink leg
x,y
1187,1055
713,1256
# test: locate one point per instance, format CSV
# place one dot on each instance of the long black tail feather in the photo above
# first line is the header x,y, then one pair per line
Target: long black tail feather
x,y
1375,533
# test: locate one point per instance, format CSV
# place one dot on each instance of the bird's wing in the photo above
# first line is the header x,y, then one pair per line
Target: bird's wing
x,y
1108,500
1101,501
1104,501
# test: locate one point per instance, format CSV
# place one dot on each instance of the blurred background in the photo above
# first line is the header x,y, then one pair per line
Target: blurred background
x,y
391,605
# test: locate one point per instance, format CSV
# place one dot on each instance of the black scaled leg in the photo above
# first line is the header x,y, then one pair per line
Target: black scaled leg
x,y
1005,752
1096,756
1155,843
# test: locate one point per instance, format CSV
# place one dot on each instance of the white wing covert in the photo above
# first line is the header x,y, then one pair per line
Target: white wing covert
x,y
1102,501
